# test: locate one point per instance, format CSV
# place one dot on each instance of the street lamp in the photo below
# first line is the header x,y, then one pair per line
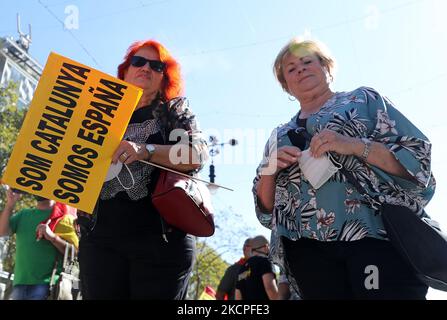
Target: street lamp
x,y
214,151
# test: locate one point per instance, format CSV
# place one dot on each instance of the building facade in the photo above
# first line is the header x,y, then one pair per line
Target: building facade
x,y
18,66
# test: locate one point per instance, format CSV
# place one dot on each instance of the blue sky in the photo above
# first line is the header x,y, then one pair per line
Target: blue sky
x,y
227,48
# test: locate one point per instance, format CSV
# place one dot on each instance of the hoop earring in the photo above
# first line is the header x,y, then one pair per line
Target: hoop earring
x,y
291,98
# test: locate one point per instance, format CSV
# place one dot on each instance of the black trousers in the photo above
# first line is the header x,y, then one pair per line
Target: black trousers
x,y
122,254
136,267
364,269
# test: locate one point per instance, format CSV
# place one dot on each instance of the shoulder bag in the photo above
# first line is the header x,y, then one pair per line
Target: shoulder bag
x,y
418,239
184,203
67,286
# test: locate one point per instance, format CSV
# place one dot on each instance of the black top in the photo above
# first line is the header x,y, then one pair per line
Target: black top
x,y
143,113
228,282
116,214
301,122
121,216
250,278
299,138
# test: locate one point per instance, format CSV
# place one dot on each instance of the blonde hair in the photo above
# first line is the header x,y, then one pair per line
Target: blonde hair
x,y
296,45
258,242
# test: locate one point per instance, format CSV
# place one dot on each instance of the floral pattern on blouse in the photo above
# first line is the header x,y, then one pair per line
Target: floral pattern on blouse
x,y
336,211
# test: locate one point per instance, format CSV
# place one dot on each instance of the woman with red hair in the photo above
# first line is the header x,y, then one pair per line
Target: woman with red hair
x,y
127,251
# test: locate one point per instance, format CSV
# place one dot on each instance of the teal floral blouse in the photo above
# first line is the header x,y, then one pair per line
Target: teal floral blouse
x,y
336,211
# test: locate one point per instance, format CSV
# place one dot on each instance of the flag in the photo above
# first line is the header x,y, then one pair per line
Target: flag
x,y
208,294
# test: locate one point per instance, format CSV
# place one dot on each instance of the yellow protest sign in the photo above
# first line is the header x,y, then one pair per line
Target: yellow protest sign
x,y
75,122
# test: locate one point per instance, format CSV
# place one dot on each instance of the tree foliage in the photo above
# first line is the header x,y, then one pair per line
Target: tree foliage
x,y
11,119
227,242
207,271
231,232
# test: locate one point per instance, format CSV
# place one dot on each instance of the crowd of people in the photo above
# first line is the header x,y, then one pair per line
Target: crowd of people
x,y
324,231
254,277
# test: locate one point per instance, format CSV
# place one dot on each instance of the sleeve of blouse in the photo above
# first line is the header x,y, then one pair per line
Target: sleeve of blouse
x,y
186,129
264,217
406,142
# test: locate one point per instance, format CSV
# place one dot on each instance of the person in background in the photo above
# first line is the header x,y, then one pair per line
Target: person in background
x,y
329,232
256,279
127,251
42,233
227,286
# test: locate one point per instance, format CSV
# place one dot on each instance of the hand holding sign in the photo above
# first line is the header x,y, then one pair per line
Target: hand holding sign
x,y
76,121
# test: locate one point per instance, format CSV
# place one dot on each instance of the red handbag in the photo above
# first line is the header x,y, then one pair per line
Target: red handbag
x,y
184,203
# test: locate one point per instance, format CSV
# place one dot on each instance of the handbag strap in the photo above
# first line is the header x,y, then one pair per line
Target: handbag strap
x,y
53,273
184,174
69,255
65,261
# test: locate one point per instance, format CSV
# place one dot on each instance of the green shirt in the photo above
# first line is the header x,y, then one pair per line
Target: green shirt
x,y
34,259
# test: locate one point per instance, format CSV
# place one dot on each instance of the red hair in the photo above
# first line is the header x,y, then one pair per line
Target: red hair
x,y
172,84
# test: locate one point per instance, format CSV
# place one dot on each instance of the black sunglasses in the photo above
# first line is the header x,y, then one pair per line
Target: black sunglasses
x,y
155,65
256,249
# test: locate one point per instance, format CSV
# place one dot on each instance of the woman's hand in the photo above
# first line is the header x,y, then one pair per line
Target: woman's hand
x,y
281,159
128,152
328,140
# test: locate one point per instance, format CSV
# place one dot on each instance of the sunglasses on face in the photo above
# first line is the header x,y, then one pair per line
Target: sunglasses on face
x,y
155,65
